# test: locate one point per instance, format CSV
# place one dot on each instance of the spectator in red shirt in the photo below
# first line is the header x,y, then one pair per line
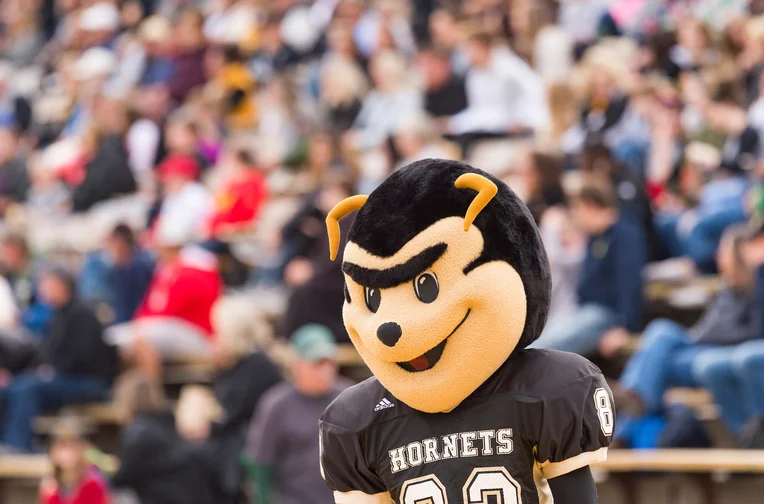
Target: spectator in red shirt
x,y
75,480
174,317
241,194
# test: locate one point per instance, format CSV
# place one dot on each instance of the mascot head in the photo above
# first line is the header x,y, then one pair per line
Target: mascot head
x,y
445,277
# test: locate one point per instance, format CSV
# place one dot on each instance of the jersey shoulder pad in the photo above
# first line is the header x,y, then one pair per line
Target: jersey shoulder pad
x,y
361,405
541,373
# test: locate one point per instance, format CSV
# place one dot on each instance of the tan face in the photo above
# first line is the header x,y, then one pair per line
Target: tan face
x,y
435,345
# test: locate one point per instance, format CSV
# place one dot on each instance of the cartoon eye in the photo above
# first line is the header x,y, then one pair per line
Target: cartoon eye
x,y
373,298
426,287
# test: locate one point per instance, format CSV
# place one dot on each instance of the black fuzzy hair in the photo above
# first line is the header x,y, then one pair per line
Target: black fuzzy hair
x,y
422,193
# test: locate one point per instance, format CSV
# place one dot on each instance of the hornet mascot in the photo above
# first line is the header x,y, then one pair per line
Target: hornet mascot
x,y
446,284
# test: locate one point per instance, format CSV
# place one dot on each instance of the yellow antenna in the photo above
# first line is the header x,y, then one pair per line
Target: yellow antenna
x,y
486,191
342,208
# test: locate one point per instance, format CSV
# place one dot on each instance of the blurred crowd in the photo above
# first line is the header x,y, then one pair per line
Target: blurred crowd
x,y
166,167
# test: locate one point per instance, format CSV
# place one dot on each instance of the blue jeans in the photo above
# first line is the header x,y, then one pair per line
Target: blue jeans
x,y
668,359
735,376
580,332
29,394
702,241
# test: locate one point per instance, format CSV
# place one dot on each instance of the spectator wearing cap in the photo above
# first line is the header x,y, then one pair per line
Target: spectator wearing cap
x,y
609,293
242,193
186,203
173,320
188,60
76,364
283,439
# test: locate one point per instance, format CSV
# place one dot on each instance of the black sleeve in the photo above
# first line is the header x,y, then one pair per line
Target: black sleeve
x,y
577,426
576,487
342,462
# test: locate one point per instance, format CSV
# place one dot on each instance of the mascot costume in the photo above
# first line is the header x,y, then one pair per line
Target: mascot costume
x,y
447,283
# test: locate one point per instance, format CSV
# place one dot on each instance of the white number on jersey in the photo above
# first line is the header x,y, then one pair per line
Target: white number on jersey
x,y
483,483
604,410
424,490
491,481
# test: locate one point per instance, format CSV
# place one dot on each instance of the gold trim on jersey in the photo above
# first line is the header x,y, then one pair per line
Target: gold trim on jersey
x,y
553,469
358,497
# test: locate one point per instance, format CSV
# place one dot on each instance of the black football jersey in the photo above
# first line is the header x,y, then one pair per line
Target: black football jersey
x,y
543,411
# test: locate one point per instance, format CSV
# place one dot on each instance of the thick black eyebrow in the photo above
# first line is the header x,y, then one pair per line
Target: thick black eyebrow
x,y
390,277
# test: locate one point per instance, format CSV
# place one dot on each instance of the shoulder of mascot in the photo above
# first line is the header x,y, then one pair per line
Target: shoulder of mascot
x,y
540,373
363,405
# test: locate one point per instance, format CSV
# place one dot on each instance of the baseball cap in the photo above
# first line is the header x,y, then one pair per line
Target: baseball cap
x,y
314,342
178,165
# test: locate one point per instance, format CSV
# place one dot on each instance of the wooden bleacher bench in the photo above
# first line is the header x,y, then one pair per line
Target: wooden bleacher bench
x,y
688,467
348,356
188,369
95,414
181,371
684,461
16,467
666,290
699,400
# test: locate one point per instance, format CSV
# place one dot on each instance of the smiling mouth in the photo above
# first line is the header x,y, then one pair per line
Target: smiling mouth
x,y
431,357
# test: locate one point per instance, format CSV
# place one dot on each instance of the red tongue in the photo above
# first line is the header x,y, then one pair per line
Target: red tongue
x,y
420,363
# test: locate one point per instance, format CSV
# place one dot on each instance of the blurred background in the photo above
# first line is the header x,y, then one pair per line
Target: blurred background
x,y
170,322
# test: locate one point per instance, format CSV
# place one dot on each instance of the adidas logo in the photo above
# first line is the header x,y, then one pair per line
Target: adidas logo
x,y
383,404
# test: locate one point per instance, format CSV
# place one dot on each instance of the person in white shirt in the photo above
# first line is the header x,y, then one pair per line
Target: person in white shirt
x,y
392,100
9,310
187,203
504,95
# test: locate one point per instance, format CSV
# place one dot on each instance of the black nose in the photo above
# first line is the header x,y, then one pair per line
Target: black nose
x,y
389,333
